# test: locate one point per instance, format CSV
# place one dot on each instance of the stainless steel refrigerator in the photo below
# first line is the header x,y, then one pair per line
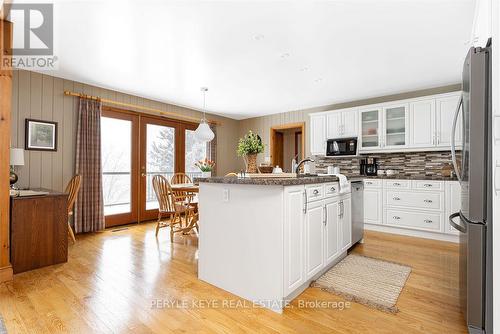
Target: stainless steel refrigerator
x,y
473,169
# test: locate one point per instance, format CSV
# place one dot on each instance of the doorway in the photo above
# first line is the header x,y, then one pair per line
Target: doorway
x,y
135,148
287,143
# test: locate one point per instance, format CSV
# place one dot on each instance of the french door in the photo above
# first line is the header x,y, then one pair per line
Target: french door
x,y
119,155
135,148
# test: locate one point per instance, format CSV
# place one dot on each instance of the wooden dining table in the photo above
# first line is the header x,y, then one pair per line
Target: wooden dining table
x,y
189,188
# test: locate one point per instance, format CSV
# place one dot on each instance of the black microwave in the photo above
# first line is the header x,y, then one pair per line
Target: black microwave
x,y
341,146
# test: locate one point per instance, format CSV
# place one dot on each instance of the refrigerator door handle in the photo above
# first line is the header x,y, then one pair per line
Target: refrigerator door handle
x,y
453,129
457,227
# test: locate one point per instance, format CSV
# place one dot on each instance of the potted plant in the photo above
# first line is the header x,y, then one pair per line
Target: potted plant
x,y
206,166
248,148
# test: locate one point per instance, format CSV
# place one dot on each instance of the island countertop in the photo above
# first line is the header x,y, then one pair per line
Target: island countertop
x,y
268,181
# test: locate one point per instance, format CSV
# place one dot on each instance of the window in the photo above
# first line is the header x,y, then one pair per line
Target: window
x,y
195,151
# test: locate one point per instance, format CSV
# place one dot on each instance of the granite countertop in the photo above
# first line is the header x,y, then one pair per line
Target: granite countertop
x,y
405,177
270,181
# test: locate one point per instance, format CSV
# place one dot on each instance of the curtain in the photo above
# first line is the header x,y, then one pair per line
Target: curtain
x,y
89,212
212,148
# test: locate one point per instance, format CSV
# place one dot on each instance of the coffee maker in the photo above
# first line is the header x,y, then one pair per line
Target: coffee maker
x,y
368,167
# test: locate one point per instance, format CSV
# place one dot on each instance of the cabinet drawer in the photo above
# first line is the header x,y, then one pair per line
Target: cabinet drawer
x,y
418,220
397,184
372,183
315,192
415,200
428,185
331,189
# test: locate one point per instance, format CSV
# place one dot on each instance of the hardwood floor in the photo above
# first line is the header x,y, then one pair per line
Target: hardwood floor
x,y
112,280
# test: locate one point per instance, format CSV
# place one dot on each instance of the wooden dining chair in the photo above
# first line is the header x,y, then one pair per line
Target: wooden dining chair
x,y
72,190
170,207
183,196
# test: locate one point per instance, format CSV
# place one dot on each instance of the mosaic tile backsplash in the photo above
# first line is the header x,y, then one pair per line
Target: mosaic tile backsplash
x,y
406,164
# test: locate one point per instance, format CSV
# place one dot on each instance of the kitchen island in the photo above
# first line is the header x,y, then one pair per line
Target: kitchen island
x,y
266,239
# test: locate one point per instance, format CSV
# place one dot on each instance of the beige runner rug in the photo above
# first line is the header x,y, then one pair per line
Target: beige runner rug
x,y
368,281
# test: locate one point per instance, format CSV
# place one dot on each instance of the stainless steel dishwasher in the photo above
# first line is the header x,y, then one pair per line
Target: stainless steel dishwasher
x,y
357,208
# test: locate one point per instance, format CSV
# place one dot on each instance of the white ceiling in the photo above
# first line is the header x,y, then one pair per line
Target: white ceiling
x,y
259,57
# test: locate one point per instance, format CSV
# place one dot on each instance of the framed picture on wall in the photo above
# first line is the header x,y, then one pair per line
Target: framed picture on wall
x,y
40,135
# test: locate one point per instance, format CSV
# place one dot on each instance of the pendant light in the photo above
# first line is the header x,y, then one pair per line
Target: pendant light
x,y
203,132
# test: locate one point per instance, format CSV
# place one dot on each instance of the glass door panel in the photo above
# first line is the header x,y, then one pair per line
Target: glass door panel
x,y
160,158
118,168
395,126
370,124
159,146
195,150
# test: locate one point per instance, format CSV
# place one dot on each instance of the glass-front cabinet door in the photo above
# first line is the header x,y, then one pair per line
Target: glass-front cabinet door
x,y
371,125
396,126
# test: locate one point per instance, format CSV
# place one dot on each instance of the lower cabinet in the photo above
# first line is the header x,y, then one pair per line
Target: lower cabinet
x,y
423,205
315,231
315,234
345,223
372,205
332,228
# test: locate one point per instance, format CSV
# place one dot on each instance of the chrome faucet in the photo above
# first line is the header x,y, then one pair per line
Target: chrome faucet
x,y
301,163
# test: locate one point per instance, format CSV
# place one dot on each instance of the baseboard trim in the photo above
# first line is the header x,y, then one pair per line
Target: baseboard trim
x,y
6,274
412,233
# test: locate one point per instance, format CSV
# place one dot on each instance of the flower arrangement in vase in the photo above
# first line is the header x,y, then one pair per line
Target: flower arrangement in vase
x,y
248,148
206,166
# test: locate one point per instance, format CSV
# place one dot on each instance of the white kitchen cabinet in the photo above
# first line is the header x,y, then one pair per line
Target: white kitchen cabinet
x,y
332,229
345,223
294,274
445,111
314,232
395,126
350,123
342,123
453,195
318,134
370,126
372,202
334,124
422,123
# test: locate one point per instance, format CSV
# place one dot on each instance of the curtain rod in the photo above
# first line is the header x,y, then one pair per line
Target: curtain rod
x,y
130,105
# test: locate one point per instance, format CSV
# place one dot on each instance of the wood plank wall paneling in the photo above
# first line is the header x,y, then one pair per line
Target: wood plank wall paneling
x,y
42,96
261,125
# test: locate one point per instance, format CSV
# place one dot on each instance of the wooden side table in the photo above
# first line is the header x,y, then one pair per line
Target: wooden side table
x,y
38,231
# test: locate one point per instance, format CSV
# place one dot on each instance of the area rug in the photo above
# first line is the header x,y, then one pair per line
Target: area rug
x,y
368,281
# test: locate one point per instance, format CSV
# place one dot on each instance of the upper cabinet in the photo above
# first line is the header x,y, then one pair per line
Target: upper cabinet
x,y
395,126
384,127
342,123
317,134
419,124
446,108
371,124
431,122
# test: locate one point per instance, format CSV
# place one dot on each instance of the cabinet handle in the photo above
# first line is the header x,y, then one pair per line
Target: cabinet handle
x,y
396,184
396,198
427,201
369,182
326,212
427,221
437,138
332,189
396,217
305,201
427,185
316,191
